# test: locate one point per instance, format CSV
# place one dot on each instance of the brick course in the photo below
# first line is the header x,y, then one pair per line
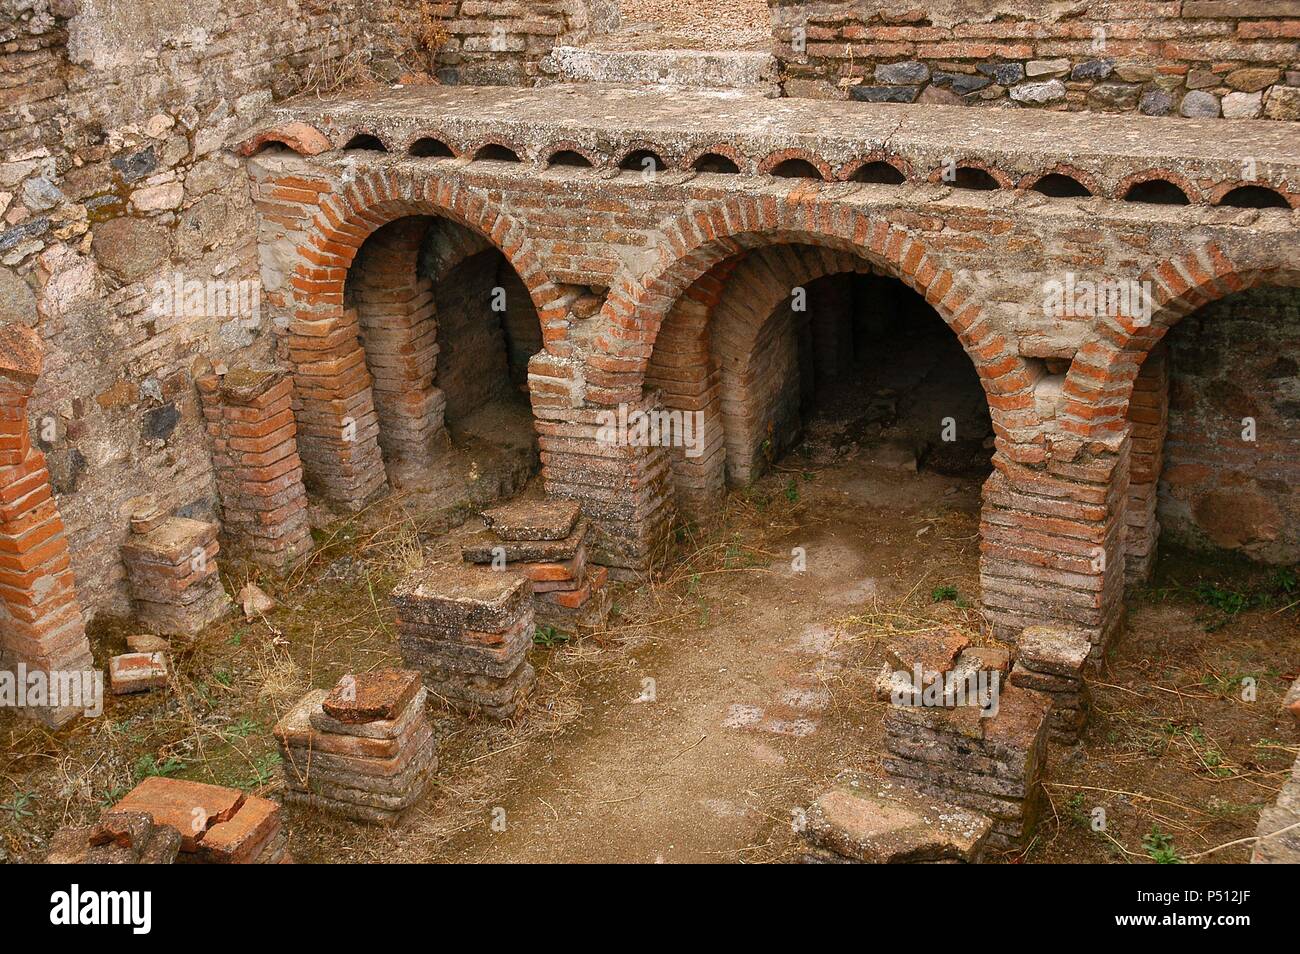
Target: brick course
x,y
1203,59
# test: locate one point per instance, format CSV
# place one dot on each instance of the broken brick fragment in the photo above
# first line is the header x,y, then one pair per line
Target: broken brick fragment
x,y
137,672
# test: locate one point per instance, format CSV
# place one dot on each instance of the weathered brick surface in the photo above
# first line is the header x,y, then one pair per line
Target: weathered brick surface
x,y
41,621
364,749
117,180
682,326
137,672
990,762
118,838
118,184
172,570
1051,661
216,825
1231,476
863,821
253,437
468,629
481,42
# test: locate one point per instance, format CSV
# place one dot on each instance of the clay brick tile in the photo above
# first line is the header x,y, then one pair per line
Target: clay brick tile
x,y
189,807
301,137
241,839
124,829
368,697
936,651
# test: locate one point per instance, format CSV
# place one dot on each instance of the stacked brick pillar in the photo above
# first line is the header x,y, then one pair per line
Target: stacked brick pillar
x,y
688,378
41,626
253,435
395,313
171,566
1052,540
334,405
624,489
1148,416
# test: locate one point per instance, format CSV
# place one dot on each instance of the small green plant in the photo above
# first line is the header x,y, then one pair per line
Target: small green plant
x,y
1226,601
548,637
18,806
1078,810
147,766
941,593
223,677
264,768
112,795
242,728
1285,582
792,491
1160,847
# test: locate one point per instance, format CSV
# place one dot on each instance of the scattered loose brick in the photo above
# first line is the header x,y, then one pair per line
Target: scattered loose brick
x,y
119,837
188,807
137,672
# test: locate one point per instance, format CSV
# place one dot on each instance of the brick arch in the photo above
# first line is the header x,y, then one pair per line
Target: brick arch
x,y
430,133
551,150
774,159
847,170
716,355
472,146
1085,179
1190,189
338,426
1099,383
1003,180
696,241
1216,194
743,162
1116,392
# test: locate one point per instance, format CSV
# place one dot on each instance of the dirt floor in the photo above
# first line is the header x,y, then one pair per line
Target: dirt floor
x,y
722,698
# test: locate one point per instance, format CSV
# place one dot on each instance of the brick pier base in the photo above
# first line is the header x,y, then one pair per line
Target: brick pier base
x,y
252,432
41,626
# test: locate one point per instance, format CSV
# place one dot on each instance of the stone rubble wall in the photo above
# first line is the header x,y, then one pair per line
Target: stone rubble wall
x,y
1198,58
114,121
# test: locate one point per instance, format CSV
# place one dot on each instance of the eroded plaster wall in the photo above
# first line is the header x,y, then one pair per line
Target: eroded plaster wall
x,y
1231,477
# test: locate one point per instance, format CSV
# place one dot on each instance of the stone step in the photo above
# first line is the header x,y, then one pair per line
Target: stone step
x,y
692,69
